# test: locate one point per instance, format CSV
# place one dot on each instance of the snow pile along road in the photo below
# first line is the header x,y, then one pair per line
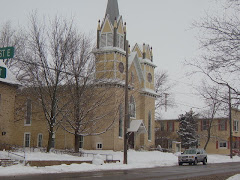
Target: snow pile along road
x,y
136,159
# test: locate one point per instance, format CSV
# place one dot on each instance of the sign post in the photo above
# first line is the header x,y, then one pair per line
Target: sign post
x,y
3,72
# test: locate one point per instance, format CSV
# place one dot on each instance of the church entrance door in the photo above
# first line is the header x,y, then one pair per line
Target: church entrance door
x,y
131,140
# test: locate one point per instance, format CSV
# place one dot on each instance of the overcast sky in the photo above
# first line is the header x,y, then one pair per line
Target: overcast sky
x,y
164,24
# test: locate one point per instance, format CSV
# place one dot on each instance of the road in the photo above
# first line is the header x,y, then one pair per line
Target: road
x,y
159,173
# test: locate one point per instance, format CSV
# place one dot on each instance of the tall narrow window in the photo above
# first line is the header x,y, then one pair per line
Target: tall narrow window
x,y
170,126
162,126
29,112
205,124
109,39
120,121
80,141
121,42
39,140
27,139
132,107
149,126
222,126
132,78
103,40
235,125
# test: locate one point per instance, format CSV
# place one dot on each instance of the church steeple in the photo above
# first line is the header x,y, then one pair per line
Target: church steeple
x,y
112,10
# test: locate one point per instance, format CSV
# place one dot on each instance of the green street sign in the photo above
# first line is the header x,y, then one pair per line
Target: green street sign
x,y
3,72
6,52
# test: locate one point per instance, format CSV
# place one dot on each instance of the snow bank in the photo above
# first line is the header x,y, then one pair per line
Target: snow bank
x,y
136,159
236,177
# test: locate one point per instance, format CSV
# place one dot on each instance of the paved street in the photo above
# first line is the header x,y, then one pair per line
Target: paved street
x,y
160,173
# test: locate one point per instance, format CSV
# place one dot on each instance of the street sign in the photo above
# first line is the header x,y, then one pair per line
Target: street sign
x,y
6,52
3,72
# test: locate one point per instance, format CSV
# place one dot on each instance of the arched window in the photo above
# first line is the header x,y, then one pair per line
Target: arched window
x,y
120,128
149,126
132,107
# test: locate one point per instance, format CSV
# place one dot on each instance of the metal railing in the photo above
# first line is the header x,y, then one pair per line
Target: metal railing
x,y
11,149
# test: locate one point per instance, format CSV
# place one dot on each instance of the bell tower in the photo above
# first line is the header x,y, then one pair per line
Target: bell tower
x,y
110,52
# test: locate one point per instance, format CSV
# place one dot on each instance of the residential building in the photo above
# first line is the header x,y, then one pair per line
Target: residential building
x,y
219,142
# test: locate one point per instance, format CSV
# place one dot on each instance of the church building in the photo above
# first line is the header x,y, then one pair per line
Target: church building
x,y
111,55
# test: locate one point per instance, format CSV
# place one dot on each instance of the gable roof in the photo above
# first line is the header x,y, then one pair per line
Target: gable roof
x,y
133,59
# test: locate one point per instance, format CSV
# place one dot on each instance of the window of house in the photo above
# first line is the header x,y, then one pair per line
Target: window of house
x,y
132,107
99,145
29,112
222,125
27,137
235,125
149,126
170,126
205,124
223,144
80,141
162,126
120,121
39,140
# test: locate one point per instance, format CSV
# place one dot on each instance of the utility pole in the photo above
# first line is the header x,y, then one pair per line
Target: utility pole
x,y
126,119
230,118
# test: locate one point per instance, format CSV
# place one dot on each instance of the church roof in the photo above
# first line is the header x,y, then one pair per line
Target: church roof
x,y
112,10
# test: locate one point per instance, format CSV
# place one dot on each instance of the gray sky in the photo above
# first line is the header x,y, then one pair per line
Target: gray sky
x,y
164,24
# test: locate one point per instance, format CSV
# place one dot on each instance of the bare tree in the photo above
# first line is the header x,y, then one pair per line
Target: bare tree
x,y
47,50
220,44
91,102
215,100
163,87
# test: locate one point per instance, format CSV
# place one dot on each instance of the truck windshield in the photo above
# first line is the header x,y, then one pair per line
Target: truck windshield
x,y
190,151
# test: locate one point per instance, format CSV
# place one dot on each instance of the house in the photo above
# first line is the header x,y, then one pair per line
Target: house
x,y
219,143
29,124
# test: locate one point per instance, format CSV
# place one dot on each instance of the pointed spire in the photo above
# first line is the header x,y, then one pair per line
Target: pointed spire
x,y
99,27
115,23
125,27
112,10
144,51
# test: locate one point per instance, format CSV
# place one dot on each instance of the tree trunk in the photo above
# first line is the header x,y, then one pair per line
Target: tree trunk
x,y
209,134
76,145
50,138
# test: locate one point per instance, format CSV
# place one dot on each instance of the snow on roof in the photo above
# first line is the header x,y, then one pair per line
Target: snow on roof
x,y
150,91
147,61
10,79
137,126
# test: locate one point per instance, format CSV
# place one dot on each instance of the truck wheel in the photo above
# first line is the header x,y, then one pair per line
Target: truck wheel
x,y
180,164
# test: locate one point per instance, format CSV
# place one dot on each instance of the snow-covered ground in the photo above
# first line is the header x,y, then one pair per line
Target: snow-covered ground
x,y
136,159
236,177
